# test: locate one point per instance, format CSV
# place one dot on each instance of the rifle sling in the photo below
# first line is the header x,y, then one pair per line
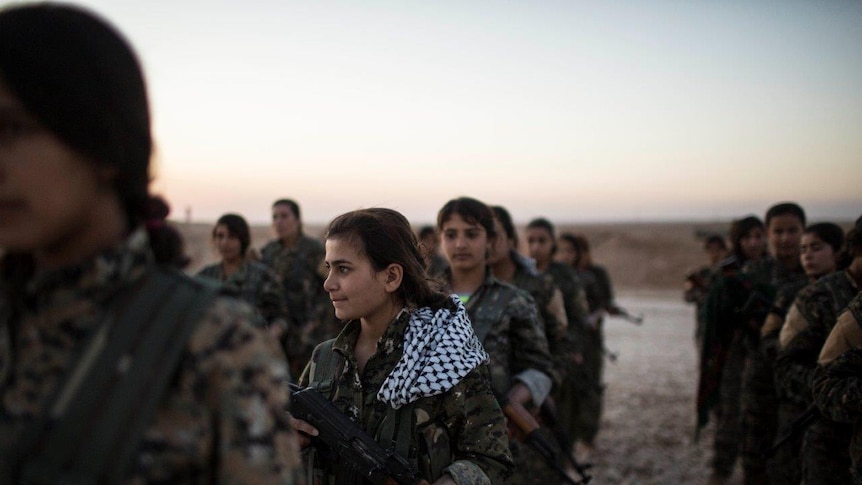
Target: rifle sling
x,y
91,434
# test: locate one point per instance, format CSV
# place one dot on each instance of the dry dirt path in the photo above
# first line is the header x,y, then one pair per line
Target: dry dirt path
x,y
648,422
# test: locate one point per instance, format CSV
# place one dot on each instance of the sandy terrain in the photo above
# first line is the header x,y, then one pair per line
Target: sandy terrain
x,y
648,424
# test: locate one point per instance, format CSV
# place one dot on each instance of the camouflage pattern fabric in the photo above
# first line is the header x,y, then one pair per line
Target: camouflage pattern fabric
x,y
563,334
302,274
758,397
257,285
763,425
599,296
812,316
837,387
222,418
701,281
723,360
579,398
507,322
813,313
464,423
550,303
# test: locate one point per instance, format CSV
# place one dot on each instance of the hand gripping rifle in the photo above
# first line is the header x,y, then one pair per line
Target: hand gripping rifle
x,y
523,420
551,417
353,446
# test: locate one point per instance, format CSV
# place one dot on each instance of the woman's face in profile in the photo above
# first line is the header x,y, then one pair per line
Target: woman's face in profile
x,y
47,190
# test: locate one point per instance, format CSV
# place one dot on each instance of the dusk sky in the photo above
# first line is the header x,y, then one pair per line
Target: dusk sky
x,y
578,111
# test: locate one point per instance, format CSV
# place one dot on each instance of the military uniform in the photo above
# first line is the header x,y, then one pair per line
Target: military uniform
x,y
758,396
837,383
700,283
506,321
560,412
783,466
464,424
723,360
259,286
221,419
312,316
808,323
550,303
598,295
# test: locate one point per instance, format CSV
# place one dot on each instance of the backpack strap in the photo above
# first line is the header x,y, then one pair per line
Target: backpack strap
x,y
93,428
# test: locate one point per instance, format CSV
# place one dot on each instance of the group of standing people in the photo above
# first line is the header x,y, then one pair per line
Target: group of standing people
x,y
115,366
531,323
766,354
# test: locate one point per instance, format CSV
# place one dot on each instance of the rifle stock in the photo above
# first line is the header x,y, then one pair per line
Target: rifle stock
x,y
353,446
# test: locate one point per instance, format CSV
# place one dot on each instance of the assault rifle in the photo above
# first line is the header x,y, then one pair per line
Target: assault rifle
x,y
524,421
618,312
798,426
353,446
549,414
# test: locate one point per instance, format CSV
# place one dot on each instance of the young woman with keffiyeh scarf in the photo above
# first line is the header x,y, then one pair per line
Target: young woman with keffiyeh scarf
x,y
407,356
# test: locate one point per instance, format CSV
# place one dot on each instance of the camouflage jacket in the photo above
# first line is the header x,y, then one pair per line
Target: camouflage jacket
x,y
256,284
465,419
837,382
604,294
846,334
507,322
562,341
302,274
222,417
809,321
574,295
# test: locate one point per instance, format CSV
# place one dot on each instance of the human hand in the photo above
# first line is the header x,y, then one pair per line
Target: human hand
x,y
305,430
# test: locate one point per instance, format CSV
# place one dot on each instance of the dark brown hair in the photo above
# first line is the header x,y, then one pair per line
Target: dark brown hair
x,y
385,237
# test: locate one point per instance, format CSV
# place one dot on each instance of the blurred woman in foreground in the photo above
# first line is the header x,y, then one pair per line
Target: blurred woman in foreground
x,y
113,367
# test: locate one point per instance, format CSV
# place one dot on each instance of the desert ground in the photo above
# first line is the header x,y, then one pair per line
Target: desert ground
x,y
648,422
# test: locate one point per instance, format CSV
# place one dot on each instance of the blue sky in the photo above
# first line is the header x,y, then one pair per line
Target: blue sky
x,y
579,111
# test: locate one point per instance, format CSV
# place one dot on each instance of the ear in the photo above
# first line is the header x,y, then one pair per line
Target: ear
x,y
393,274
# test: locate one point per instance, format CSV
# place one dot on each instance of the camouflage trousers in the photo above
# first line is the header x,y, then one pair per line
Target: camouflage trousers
x,y
728,430
592,389
759,403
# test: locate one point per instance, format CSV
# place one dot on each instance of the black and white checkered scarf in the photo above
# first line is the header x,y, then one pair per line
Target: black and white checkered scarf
x,y
440,349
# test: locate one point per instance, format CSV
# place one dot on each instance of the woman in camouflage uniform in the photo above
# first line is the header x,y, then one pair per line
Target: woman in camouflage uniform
x,y
505,318
809,321
724,346
583,392
819,250
297,259
76,286
407,357
252,281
